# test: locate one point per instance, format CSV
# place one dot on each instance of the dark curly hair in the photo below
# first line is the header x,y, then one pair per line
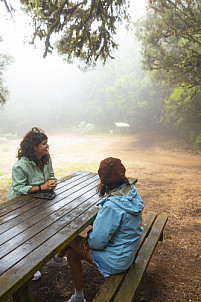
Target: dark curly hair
x,y
104,189
32,139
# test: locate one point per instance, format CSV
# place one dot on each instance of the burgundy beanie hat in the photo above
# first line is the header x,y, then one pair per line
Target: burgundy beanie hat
x,y
111,171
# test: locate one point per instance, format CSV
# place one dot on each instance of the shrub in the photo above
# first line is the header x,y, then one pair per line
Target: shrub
x,y
10,136
84,127
197,142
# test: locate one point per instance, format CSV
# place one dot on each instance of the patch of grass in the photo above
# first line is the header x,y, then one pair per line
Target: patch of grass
x,y
5,183
5,149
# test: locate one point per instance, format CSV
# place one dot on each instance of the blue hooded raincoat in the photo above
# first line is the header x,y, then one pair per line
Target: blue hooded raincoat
x,y
117,229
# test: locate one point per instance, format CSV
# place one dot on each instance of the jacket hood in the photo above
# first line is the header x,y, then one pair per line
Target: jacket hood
x,y
127,198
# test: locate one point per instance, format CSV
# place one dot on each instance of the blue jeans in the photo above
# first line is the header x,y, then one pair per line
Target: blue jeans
x,y
103,267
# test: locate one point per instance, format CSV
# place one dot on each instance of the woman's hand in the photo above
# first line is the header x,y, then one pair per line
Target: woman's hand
x,y
49,185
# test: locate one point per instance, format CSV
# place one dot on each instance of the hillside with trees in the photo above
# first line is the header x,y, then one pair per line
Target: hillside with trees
x,y
166,93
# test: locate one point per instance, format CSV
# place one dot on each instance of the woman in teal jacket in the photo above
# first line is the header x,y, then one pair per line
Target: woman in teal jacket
x,y
112,242
33,171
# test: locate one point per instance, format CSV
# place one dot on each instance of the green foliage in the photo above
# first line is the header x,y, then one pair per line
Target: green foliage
x,y
197,143
136,100
171,49
5,183
4,61
184,112
85,28
171,44
84,127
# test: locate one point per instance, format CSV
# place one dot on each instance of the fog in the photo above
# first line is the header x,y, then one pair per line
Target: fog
x,y
52,94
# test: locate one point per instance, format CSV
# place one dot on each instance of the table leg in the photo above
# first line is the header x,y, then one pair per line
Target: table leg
x,y
22,295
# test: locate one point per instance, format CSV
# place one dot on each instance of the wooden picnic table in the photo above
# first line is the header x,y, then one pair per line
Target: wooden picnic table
x,y
33,230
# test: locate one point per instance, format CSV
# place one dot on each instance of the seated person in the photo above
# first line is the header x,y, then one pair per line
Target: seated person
x,y
33,172
112,243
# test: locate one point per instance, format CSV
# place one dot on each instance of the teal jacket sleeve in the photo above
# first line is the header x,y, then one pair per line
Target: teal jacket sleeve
x,y
19,180
104,226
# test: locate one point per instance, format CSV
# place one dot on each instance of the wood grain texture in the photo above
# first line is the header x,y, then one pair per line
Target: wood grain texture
x,y
33,230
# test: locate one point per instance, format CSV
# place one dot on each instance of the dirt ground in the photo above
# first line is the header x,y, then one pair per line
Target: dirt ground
x,y
169,178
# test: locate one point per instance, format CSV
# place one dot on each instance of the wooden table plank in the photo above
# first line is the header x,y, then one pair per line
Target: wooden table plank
x,y
19,201
26,267
33,230
43,232
46,219
47,207
30,201
40,204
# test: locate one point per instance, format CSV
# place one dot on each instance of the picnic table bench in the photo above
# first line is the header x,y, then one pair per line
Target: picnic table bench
x,y
33,230
122,287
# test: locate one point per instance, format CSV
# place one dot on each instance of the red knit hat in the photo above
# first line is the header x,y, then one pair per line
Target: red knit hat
x,y
111,171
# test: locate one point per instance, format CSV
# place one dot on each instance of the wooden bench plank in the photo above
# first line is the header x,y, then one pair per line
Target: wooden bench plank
x,y
111,284
136,272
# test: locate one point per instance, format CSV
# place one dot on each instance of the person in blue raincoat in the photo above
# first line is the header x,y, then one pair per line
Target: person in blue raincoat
x,y
112,243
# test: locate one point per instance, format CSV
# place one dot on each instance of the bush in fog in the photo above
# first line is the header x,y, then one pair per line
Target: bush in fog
x,y
198,142
10,136
182,111
84,127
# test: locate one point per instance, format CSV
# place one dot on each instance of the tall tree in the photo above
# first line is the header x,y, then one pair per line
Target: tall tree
x,y
85,28
170,37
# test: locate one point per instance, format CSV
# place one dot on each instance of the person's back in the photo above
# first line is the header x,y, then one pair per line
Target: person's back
x,y
122,212
112,242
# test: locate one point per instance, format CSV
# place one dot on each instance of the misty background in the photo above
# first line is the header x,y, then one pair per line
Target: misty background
x,y
57,96
60,97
